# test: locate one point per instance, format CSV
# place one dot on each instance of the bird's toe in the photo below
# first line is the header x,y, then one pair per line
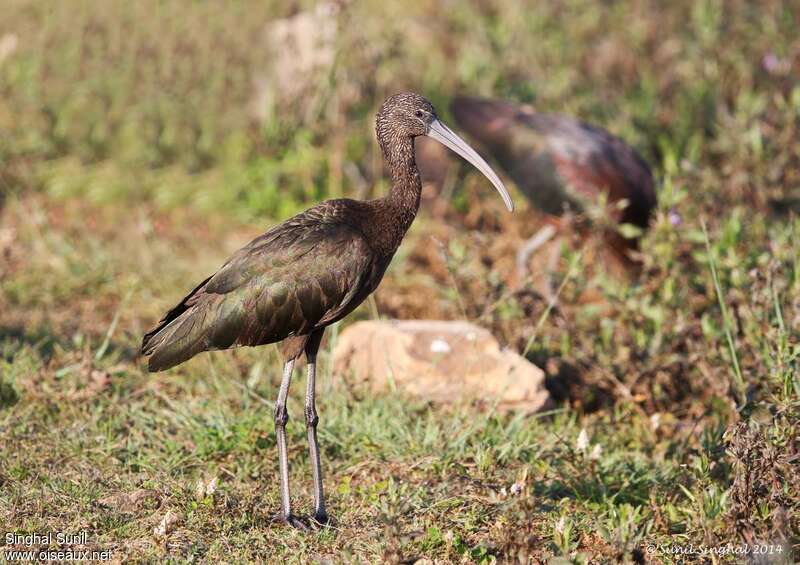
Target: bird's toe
x,y
298,523
320,520
292,520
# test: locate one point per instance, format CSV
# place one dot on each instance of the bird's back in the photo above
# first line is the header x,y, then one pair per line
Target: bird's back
x,y
589,162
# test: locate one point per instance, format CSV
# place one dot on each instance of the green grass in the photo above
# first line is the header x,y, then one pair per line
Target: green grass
x,y
132,163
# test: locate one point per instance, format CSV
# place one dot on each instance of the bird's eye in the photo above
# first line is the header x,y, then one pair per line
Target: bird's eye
x,y
419,113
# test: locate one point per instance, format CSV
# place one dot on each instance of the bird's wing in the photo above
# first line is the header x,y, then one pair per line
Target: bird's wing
x,y
588,159
302,274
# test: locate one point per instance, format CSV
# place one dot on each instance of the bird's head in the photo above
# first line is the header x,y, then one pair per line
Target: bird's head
x,y
405,114
409,115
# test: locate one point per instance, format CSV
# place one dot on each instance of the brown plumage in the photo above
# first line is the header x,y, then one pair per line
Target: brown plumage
x,y
300,276
561,164
309,272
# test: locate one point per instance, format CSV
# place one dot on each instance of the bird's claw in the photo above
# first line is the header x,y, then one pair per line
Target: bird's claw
x,y
316,522
298,523
320,520
293,521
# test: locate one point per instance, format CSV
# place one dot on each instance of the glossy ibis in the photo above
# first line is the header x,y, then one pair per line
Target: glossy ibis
x,y
563,166
303,275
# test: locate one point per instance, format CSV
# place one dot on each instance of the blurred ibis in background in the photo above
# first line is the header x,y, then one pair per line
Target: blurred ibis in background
x,y
307,273
564,167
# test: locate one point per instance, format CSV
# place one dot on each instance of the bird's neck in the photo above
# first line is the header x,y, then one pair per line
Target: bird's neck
x,y
397,210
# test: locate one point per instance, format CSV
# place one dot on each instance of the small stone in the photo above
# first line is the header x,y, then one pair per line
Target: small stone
x,y
206,488
166,525
583,440
655,421
8,44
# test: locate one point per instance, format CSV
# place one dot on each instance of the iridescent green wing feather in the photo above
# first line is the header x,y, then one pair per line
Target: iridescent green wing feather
x,y
304,273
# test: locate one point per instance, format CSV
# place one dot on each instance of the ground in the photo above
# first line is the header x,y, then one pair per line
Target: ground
x,y
132,163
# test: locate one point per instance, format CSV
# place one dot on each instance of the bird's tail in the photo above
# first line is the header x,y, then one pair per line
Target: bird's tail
x,y
210,323
173,342
180,333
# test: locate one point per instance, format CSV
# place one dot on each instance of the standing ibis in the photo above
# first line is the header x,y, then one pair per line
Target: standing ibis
x,y
307,273
563,166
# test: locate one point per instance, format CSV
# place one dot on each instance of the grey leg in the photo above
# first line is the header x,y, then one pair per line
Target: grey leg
x,y
281,417
550,290
523,255
320,515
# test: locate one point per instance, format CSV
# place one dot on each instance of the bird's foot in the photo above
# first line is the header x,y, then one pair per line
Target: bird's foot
x,y
293,521
320,520
316,522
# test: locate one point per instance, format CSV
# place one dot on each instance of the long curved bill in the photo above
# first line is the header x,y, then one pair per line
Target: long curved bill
x,y
449,139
